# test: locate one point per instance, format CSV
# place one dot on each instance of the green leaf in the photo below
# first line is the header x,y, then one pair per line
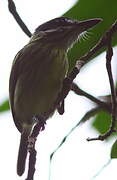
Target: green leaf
x,y
85,9
4,106
114,150
102,122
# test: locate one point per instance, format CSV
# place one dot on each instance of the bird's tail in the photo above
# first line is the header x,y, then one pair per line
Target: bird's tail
x,y
22,154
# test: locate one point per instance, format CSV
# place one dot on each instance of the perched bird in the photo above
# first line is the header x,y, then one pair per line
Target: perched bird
x,y
38,72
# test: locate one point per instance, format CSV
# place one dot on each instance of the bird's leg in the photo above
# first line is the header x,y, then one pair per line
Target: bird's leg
x,y
40,122
40,126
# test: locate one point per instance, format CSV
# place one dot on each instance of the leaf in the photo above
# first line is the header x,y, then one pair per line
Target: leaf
x,y
114,150
102,122
4,106
83,9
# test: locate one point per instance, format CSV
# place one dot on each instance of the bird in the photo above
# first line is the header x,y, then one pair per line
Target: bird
x,y
37,74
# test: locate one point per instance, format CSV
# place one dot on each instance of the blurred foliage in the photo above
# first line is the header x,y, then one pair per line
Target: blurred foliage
x,y
4,106
102,122
83,9
114,150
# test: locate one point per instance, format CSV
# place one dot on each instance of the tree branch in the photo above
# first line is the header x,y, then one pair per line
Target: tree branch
x,y
75,88
13,11
112,129
40,126
32,162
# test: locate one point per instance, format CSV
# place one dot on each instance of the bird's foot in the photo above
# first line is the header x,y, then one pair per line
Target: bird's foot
x,y
40,121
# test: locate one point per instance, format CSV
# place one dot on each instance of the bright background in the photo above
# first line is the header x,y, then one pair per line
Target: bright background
x,y
77,158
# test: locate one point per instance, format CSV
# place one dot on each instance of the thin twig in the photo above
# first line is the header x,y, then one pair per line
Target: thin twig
x,y
40,126
75,88
113,91
13,11
31,168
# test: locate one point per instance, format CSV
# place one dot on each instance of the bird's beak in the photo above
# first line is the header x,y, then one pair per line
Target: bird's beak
x,y
87,24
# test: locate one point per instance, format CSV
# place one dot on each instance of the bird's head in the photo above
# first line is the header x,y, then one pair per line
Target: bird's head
x,y
63,32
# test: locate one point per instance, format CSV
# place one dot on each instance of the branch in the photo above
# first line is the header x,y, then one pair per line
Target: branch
x,y
13,11
112,129
75,88
31,168
113,90
40,126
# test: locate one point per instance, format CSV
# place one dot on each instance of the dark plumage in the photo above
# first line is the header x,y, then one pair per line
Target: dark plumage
x,y
38,72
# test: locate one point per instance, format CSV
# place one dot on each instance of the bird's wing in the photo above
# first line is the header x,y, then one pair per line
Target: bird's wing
x,y
22,63
18,68
15,73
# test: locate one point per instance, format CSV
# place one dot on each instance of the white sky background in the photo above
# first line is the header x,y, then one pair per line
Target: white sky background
x,y
77,158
